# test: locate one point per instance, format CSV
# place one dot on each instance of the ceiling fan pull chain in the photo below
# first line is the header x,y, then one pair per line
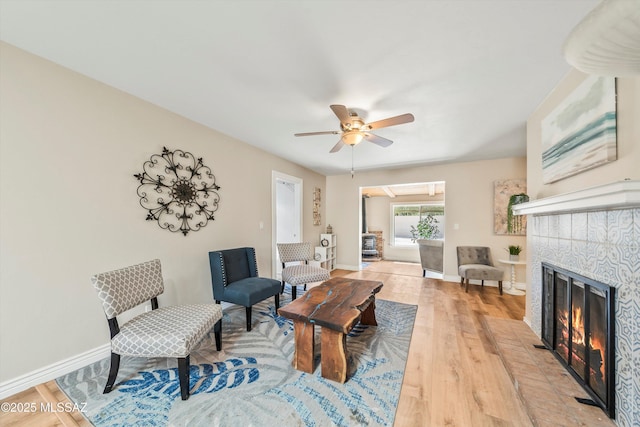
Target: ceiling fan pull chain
x,y
352,171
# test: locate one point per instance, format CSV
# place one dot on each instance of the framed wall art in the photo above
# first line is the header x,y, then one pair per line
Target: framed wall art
x,y
505,192
316,206
580,133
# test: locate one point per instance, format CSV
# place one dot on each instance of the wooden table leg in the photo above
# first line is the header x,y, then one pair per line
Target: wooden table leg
x,y
369,315
304,343
334,355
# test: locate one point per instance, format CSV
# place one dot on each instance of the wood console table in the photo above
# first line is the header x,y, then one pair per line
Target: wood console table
x,y
336,305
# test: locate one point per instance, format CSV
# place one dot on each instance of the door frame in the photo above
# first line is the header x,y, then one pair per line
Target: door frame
x,y
298,187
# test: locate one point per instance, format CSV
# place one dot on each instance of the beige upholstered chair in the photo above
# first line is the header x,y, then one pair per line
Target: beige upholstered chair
x,y
474,263
301,272
161,332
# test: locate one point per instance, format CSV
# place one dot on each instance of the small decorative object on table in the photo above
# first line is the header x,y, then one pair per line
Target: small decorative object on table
x,y
329,229
514,252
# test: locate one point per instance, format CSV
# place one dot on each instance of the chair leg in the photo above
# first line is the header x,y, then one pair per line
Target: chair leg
x,y
217,301
282,290
466,288
277,298
248,310
183,375
461,281
293,292
500,286
424,273
217,330
113,372
482,283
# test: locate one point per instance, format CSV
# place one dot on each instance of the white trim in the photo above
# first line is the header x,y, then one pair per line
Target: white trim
x,y
348,267
299,192
55,370
616,195
448,278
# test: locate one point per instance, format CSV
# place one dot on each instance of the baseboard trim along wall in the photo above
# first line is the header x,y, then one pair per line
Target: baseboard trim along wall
x,y
55,370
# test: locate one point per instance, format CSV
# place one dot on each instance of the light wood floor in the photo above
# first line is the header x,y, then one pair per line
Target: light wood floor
x,y
454,375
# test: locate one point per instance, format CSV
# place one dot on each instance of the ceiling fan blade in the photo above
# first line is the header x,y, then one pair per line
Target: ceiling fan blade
x,y
342,113
391,121
327,132
337,147
383,142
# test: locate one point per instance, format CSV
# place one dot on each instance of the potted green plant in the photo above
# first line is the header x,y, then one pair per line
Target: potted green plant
x,y
426,229
514,222
431,250
514,252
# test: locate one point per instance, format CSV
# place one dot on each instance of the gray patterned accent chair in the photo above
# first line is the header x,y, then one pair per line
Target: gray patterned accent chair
x,y
161,332
474,263
234,279
300,273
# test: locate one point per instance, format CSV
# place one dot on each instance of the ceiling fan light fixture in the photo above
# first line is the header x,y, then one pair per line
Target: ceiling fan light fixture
x,y
606,41
352,137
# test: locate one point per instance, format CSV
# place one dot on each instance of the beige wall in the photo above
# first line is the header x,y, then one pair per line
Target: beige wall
x,y
627,166
69,147
468,200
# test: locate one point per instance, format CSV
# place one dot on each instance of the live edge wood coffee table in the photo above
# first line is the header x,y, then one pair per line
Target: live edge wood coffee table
x,y
336,305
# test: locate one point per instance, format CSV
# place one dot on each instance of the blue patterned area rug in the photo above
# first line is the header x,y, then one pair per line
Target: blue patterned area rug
x,y
251,382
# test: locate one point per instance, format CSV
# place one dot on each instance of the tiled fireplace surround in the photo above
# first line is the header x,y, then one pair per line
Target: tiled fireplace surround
x,y
595,233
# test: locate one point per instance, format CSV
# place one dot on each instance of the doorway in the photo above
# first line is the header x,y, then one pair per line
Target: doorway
x,y
287,214
393,209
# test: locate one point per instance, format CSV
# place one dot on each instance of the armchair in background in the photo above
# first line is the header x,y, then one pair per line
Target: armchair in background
x,y
474,263
300,273
234,279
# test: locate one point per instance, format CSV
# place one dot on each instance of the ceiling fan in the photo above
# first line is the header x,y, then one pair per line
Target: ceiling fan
x,y
353,128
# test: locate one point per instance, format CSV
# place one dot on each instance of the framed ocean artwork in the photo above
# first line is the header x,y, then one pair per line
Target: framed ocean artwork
x,y
580,133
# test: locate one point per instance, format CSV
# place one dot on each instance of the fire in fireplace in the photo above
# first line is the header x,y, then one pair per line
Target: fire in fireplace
x,y
578,326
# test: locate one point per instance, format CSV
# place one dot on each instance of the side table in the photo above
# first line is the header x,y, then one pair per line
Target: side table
x,y
512,289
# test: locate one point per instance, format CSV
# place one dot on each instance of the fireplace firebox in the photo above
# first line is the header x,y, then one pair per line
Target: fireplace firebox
x,y
578,327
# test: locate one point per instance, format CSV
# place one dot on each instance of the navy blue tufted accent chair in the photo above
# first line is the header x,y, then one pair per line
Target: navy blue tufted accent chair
x,y
234,278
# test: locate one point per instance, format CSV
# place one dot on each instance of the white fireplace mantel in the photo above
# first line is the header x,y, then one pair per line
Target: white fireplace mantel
x,y
616,195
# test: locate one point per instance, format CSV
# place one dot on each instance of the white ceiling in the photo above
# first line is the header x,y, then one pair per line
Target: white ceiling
x,y
470,71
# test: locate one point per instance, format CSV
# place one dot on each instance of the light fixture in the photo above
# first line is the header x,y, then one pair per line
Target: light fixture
x,y
352,137
607,41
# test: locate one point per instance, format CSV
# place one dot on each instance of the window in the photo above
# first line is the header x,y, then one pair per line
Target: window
x,y
408,214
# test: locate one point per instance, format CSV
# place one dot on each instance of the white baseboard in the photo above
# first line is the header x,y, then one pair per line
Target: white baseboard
x,y
55,370
348,267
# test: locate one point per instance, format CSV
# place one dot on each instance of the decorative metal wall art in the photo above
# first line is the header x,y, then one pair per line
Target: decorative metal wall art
x,y
178,191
